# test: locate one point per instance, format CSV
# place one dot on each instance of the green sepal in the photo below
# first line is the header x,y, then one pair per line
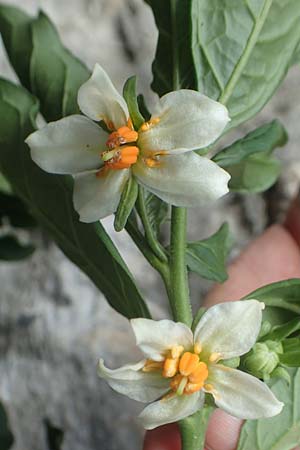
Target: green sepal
x,y
126,204
129,93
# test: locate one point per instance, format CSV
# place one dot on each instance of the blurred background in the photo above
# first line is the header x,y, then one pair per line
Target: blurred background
x,y
54,324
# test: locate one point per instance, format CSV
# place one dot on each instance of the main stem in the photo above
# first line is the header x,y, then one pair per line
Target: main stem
x,y
179,288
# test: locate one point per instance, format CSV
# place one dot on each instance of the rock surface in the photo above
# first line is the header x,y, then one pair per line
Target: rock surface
x,y
53,323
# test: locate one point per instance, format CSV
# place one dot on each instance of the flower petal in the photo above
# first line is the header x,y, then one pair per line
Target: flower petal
x,y
70,145
171,410
99,100
241,394
156,337
188,121
230,328
96,197
130,380
184,180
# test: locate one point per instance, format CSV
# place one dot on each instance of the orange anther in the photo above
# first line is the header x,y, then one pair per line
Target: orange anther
x,y
200,373
123,135
197,348
124,157
176,351
147,125
170,367
193,387
188,363
176,382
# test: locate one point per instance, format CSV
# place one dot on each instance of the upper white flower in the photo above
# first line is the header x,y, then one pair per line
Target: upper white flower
x,y
181,367
156,154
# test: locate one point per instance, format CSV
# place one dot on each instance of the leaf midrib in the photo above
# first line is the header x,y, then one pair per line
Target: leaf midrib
x,y
235,76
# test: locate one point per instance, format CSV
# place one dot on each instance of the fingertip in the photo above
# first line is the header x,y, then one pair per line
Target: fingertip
x,y
222,432
166,437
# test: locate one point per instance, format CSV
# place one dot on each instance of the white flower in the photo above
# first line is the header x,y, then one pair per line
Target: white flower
x,y
181,367
156,155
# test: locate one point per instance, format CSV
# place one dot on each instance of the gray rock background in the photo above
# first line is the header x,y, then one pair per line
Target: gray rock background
x,y
54,324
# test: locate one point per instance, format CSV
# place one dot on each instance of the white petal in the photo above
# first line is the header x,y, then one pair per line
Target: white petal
x,y
131,381
188,121
70,145
230,328
242,395
96,197
156,337
99,99
185,180
171,410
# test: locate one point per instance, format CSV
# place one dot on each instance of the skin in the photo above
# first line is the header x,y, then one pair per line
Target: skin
x,y
273,256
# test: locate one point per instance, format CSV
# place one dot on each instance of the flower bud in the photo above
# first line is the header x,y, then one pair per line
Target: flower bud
x,y
262,359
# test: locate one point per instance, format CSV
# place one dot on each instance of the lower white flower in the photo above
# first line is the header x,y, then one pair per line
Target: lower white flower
x,y
159,155
181,367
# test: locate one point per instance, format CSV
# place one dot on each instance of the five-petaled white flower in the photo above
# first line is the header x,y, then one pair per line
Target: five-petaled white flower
x,y
181,367
156,155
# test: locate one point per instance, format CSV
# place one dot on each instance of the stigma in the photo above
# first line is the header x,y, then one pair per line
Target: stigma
x,y
121,150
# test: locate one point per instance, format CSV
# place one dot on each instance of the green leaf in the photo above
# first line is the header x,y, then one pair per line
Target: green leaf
x,y
207,258
12,250
282,331
126,204
281,432
242,50
49,198
6,438
43,65
129,93
291,352
248,159
15,211
282,300
157,211
173,66
4,185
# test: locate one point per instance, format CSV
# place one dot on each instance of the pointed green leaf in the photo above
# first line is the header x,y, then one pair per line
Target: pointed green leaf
x,y
49,198
281,432
207,258
282,331
173,66
43,65
243,49
291,352
282,300
157,211
126,204
248,160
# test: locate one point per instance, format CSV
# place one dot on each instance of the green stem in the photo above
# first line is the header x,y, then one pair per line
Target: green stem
x,y
149,232
193,429
179,298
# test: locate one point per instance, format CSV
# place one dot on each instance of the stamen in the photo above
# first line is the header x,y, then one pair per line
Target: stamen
x,y
147,125
188,363
123,135
197,348
200,374
191,388
170,367
176,351
209,387
215,357
122,158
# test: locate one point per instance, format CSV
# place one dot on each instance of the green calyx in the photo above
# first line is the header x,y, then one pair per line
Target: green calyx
x,y
263,359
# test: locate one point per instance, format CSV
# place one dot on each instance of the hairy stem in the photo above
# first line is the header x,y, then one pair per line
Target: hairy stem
x,y
179,298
